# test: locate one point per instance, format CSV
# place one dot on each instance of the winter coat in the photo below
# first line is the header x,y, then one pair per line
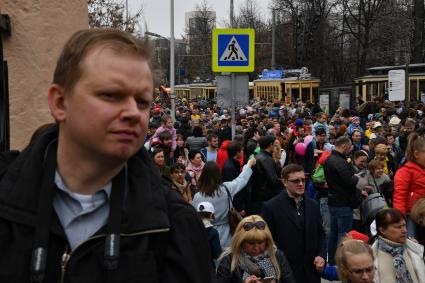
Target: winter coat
x,y
414,251
221,204
162,239
409,186
265,182
342,191
280,215
196,143
224,275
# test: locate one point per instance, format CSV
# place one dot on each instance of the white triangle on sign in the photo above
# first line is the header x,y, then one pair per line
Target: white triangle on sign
x,y
233,52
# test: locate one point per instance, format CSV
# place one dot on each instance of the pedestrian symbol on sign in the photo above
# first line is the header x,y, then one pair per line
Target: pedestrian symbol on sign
x,y
233,52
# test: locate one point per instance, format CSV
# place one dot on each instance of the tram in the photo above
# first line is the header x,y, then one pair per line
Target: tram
x,y
375,83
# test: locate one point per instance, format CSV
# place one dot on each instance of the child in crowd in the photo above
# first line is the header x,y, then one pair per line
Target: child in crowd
x,y
321,122
205,210
166,126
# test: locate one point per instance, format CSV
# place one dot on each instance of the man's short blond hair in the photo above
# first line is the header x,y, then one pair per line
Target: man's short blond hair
x,y
68,67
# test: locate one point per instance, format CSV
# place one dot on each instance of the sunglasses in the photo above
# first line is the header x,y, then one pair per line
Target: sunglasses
x,y
297,181
261,225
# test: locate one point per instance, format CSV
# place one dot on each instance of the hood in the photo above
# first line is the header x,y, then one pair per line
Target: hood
x,y
224,145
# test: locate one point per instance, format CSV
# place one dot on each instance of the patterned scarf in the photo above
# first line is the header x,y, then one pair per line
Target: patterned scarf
x,y
397,251
260,266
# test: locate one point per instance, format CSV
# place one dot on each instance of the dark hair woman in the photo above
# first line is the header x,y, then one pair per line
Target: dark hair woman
x,y
212,189
397,258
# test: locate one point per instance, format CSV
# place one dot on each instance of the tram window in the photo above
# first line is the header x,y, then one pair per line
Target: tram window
x,y
305,94
421,87
413,90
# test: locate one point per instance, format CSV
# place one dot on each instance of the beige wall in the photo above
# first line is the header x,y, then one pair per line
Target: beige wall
x,y
39,30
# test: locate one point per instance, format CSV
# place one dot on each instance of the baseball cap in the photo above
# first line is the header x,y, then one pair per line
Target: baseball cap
x,y
377,125
205,206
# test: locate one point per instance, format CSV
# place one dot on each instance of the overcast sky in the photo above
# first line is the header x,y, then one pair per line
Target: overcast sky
x,y
157,13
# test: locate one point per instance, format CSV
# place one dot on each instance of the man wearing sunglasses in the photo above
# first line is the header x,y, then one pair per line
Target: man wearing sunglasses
x,y
296,226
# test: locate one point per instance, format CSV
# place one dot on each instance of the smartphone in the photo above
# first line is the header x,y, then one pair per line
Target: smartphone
x,y
267,279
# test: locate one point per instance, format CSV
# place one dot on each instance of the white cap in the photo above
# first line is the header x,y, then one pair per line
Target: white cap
x,y
377,125
205,206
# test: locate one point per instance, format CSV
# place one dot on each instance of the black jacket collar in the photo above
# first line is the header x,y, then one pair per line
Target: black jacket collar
x,y
144,208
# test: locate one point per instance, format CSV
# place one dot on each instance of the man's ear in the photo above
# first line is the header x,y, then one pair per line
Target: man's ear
x,y
56,100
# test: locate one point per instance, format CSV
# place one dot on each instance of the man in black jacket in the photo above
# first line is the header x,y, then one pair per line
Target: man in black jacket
x,y
295,223
83,202
343,195
265,179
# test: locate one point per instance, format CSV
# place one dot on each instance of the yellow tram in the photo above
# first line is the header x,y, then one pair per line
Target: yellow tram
x,y
288,89
376,82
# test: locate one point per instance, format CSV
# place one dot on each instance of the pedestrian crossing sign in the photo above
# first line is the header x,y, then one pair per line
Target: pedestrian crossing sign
x,y
233,50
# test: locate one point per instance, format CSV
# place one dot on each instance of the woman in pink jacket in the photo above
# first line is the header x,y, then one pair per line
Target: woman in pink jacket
x,y
409,180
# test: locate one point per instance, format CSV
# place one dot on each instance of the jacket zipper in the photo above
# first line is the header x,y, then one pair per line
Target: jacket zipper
x,y
67,256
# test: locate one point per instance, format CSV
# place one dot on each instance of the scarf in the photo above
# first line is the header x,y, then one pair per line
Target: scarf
x,y
260,266
396,251
180,187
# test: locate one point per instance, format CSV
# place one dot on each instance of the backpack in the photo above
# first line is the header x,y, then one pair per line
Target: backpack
x,y
318,175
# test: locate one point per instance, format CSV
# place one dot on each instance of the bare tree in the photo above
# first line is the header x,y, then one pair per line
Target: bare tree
x,y
111,13
198,35
418,33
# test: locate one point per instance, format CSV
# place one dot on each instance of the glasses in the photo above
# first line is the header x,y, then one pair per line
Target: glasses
x,y
359,272
261,225
297,181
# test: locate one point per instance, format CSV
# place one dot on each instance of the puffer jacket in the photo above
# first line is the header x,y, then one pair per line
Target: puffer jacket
x,y
162,239
224,275
409,186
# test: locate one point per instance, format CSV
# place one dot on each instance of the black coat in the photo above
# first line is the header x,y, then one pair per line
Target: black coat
x,y
162,239
224,275
265,182
231,169
280,214
342,191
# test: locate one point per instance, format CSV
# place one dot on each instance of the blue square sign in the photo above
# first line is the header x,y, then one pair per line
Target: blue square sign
x,y
233,50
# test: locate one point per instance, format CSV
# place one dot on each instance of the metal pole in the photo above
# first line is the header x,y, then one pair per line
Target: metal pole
x,y
172,73
232,78
273,37
126,13
232,24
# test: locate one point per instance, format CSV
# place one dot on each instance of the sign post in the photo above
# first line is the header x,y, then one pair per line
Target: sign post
x,y
233,51
397,85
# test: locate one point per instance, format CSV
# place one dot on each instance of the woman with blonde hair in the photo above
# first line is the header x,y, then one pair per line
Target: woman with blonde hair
x,y
253,256
355,264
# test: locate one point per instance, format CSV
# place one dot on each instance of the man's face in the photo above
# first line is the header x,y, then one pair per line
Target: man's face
x,y
357,136
167,142
390,140
361,162
213,142
295,184
178,176
409,128
321,138
106,114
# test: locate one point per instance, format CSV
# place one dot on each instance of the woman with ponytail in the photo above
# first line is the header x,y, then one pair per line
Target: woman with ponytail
x,y
409,180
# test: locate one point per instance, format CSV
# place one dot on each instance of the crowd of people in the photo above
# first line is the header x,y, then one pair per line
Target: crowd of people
x,y
116,191
309,184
